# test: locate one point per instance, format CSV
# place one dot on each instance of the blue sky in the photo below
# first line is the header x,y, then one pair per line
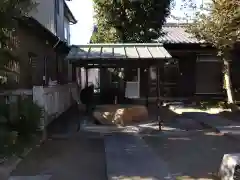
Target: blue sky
x,y
83,11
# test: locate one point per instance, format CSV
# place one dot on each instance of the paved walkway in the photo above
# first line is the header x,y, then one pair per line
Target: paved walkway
x,y
192,156
128,157
77,157
220,124
38,177
124,155
67,154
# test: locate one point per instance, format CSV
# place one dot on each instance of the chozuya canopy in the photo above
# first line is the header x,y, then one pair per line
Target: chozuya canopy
x,y
100,54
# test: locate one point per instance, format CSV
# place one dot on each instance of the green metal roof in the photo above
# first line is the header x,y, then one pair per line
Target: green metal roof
x,y
118,51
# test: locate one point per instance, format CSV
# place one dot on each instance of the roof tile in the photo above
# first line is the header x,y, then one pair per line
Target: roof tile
x,y
176,34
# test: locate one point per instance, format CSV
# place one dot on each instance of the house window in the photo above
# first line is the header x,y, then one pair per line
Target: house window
x,y
208,58
153,75
171,71
66,31
32,74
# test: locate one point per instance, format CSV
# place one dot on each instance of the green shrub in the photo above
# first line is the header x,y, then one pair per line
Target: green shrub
x,y
16,134
4,109
29,117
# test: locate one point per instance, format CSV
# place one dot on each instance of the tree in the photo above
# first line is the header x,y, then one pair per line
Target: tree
x,y
130,20
10,12
218,24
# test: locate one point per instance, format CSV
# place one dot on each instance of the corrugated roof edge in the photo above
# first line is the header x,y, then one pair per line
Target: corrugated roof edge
x,y
73,55
118,45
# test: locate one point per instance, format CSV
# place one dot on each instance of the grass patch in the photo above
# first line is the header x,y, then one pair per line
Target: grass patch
x,y
205,105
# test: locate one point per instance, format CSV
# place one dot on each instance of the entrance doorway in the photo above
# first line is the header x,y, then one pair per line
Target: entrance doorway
x,y
132,78
170,78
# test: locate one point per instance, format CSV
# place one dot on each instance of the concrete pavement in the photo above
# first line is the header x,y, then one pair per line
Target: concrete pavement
x,y
220,124
125,155
78,157
67,154
192,156
128,157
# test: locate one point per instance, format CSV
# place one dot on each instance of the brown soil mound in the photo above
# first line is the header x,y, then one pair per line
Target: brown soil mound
x,y
120,114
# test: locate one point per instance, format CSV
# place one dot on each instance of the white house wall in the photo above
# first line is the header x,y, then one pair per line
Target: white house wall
x,y
67,30
44,13
60,20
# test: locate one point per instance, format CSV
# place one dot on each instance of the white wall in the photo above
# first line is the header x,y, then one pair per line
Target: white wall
x,y
67,30
54,100
60,20
44,13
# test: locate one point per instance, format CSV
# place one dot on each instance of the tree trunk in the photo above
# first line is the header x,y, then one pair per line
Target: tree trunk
x,y
227,82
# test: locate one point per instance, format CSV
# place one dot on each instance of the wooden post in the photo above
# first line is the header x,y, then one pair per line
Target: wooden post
x,y
148,86
74,78
158,103
86,77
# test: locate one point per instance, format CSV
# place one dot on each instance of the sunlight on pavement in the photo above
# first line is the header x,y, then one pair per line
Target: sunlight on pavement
x,y
191,178
213,134
180,110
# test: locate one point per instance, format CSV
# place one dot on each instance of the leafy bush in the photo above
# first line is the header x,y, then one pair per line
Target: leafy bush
x,y
4,109
17,133
213,104
29,117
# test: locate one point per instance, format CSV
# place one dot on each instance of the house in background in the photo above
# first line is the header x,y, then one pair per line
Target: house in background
x,y
194,69
198,71
55,16
42,41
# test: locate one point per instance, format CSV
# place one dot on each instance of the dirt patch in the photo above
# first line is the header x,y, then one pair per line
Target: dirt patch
x,y
121,114
166,114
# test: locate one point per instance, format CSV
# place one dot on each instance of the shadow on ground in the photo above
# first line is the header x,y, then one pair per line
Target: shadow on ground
x,y
194,155
68,153
79,157
66,123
